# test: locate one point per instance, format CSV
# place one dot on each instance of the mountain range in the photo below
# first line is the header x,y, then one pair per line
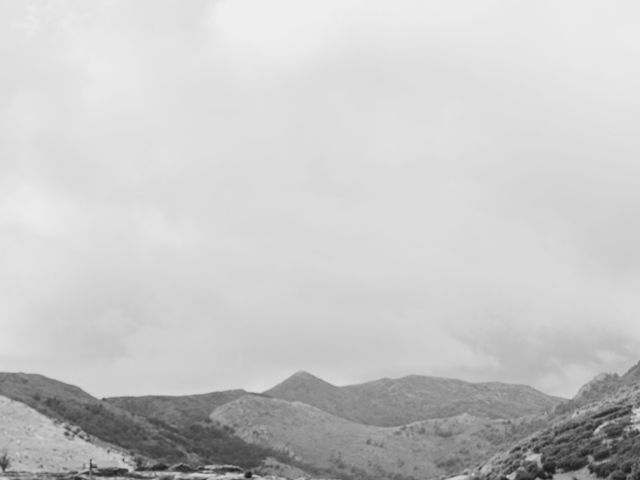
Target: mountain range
x,y
406,428
393,402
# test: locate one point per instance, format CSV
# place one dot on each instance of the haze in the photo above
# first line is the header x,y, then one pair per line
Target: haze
x,y
204,195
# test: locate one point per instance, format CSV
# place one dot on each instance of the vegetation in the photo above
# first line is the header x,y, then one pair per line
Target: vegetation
x,y
153,438
5,461
603,440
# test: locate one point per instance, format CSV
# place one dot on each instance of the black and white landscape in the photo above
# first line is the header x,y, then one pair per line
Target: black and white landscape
x,y
351,239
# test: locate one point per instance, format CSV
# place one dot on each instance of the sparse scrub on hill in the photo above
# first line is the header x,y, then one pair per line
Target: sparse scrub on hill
x,y
603,440
153,438
573,462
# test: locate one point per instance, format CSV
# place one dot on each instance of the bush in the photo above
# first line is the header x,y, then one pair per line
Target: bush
x,y
5,461
635,473
140,462
524,475
572,462
602,470
613,431
549,467
584,451
601,453
618,475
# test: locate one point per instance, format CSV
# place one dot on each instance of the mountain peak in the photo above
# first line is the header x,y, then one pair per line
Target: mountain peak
x,y
303,378
301,386
599,387
632,374
304,375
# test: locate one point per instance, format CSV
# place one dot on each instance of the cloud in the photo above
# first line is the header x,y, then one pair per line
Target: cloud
x,y
214,195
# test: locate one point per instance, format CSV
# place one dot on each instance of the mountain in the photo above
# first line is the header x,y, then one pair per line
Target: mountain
x,y
34,442
632,375
597,431
352,424
394,402
600,387
176,410
151,437
346,449
395,429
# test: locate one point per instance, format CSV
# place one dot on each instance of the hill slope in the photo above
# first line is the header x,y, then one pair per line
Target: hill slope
x,y
598,430
153,438
70,404
177,410
34,442
348,449
394,402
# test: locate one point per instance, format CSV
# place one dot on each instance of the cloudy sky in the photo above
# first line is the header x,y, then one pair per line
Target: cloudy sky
x,y
205,195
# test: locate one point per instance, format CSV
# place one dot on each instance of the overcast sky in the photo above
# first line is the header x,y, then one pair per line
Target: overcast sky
x,y
205,195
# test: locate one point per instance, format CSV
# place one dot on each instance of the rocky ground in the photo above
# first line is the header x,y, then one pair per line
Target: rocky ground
x,y
234,473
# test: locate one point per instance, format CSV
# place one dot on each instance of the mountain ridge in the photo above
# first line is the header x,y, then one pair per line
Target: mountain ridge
x,y
417,425
394,402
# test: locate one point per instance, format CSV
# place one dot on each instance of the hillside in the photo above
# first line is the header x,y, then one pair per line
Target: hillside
x,y
34,442
598,431
602,387
153,438
350,450
70,404
176,410
394,402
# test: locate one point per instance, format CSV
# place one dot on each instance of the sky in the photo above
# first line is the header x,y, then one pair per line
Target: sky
x,y
206,195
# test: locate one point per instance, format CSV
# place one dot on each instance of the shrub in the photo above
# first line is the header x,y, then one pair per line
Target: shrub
x,y
572,462
601,453
524,475
613,431
5,461
602,470
140,462
627,466
549,466
618,475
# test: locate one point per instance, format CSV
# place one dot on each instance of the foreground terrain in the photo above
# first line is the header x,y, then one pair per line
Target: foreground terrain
x,y
596,434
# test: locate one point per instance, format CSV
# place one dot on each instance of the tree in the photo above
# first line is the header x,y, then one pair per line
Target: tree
x,y
5,460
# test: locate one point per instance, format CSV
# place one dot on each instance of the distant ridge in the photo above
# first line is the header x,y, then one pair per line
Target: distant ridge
x,y
393,402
